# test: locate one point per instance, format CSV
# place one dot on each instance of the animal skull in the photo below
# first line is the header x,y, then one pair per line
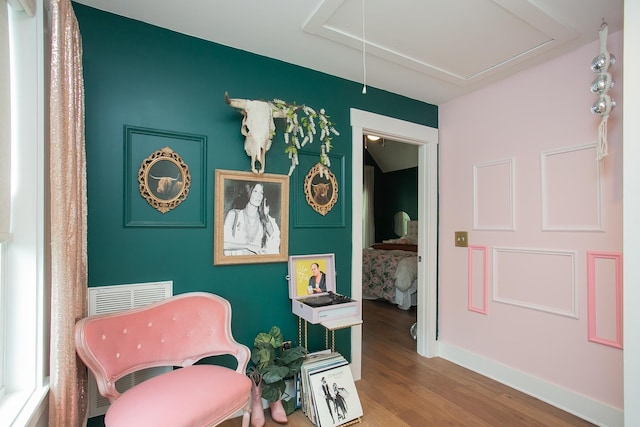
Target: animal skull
x,y
257,127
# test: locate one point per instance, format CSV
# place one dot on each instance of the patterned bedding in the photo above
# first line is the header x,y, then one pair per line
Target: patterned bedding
x,y
385,271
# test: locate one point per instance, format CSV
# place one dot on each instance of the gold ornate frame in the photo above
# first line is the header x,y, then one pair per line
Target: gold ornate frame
x,y
321,189
164,180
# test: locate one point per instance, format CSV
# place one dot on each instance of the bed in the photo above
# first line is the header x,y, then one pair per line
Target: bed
x,y
390,269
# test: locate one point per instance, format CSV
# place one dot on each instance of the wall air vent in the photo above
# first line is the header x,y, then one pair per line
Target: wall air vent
x,y
112,299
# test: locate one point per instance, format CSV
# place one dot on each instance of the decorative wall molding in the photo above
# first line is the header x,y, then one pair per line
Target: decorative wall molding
x,y
599,296
570,181
495,179
139,144
478,270
538,279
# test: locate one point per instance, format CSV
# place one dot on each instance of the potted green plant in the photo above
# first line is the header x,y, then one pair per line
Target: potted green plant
x,y
272,363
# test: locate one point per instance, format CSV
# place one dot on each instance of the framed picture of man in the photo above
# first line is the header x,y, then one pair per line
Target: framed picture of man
x,y
251,218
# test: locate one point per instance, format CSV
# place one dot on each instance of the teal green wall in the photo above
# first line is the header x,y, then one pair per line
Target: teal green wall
x,y
393,192
140,75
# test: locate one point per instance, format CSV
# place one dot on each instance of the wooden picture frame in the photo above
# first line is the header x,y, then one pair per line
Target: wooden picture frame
x,y
251,218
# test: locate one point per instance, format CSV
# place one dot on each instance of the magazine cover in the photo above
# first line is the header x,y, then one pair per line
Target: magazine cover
x,y
335,397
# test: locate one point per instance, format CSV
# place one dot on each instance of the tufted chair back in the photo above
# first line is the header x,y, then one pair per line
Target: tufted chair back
x,y
178,332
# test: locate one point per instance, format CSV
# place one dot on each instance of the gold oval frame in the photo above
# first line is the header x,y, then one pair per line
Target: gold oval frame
x,y
320,198
170,180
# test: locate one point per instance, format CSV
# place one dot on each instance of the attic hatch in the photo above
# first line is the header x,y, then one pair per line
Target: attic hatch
x,y
392,155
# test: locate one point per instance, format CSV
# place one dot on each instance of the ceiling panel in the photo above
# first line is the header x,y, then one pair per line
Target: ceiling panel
x,y
459,41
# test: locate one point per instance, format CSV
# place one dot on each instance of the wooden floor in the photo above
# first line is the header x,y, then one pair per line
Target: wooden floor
x,y
401,388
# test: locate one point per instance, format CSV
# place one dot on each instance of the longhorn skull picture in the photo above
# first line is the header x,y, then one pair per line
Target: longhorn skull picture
x,y
168,186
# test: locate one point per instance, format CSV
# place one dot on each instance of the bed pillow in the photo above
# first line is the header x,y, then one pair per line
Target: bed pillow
x,y
396,246
402,240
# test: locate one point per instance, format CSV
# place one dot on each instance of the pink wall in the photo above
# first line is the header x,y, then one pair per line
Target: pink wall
x,y
531,133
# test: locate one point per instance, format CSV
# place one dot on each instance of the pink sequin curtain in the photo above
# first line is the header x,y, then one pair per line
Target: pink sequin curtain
x,y
68,198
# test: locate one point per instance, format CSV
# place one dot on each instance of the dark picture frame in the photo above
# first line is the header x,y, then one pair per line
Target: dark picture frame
x,y
251,218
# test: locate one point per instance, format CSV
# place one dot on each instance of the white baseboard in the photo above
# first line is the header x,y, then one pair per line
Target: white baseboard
x,y
588,409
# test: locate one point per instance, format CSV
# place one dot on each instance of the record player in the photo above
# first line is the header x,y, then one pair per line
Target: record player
x,y
313,293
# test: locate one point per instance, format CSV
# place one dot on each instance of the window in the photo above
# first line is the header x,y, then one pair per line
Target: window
x,y
23,319
5,171
3,281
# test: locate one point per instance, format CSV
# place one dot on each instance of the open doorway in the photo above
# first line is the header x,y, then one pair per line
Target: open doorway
x,y
426,138
390,232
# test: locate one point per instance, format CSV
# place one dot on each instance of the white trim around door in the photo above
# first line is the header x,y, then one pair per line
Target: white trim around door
x,y
427,139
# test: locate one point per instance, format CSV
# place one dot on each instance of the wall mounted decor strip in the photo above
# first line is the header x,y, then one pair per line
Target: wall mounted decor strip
x,y
538,279
478,278
604,297
494,195
571,189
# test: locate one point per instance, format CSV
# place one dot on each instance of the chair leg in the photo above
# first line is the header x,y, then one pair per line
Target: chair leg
x,y
246,416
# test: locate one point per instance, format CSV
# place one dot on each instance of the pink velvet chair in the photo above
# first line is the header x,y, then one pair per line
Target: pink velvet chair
x,y
178,331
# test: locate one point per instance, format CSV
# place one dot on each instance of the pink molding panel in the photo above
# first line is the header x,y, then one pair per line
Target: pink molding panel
x,y
478,272
604,303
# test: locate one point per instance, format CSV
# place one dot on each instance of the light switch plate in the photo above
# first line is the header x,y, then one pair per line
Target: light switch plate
x,y
462,239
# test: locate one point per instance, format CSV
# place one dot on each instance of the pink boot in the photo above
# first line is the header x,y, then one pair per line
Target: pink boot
x,y
257,412
278,413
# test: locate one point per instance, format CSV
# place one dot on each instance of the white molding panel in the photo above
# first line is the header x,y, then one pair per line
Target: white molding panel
x,y
532,278
567,187
491,183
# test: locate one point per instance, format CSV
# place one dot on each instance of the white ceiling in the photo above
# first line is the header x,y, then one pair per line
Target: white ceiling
x,y
391,156
429,50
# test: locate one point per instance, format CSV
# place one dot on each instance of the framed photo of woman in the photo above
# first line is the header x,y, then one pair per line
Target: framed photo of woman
x,y
251,218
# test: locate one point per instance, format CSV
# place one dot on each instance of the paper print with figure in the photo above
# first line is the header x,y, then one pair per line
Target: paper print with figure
x,y
336,399
311,274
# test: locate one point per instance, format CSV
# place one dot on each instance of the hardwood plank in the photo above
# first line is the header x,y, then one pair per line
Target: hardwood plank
x,y
401,388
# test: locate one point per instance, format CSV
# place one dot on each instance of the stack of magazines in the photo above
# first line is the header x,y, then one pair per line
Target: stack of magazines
x,y
329,397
